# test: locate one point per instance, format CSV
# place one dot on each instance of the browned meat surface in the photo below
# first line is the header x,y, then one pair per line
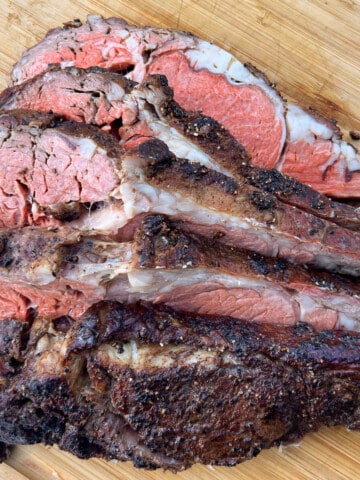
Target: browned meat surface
x,y
167,389
213,204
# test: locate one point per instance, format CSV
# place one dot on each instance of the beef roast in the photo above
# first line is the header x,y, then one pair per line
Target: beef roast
x,y
154,203
167,389
63,271
80,164
89,95
207,78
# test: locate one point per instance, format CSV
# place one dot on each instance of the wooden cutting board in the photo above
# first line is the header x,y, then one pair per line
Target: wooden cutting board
x,y
311,50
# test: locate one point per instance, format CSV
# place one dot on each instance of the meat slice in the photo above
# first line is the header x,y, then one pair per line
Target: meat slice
x,y
150,110
209,79
51,170
194,274
61,271
197,137
99,386
113,44
93,95
212,204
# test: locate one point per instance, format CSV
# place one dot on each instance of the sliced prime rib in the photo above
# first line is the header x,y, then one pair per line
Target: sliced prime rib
x,y
62,271
58,169
205,77
197,137
212,204
169,389
150,110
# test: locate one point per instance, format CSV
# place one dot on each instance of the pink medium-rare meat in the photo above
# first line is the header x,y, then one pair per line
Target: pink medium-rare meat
x,y
61,271
167,389
49,168
20,300
207,78
94,96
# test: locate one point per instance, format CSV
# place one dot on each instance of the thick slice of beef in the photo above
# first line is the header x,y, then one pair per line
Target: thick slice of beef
x,y
196,137
93,95
168,389
209,79
192,273
51,170
60,271
113,44
151,111
212,204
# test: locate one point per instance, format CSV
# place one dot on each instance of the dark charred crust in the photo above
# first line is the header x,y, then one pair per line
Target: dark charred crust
x,y
65,212
181,169
6,254
272,181
159,81
254,386
76,23
265,266
13,338
156,150
70,211
262,200
335,283
291,191
19,251
62,324
159,243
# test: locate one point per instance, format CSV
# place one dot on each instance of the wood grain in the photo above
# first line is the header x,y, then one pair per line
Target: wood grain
x,y
310,49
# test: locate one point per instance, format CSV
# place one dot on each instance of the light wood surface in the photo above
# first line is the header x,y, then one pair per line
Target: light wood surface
x,y
311,50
